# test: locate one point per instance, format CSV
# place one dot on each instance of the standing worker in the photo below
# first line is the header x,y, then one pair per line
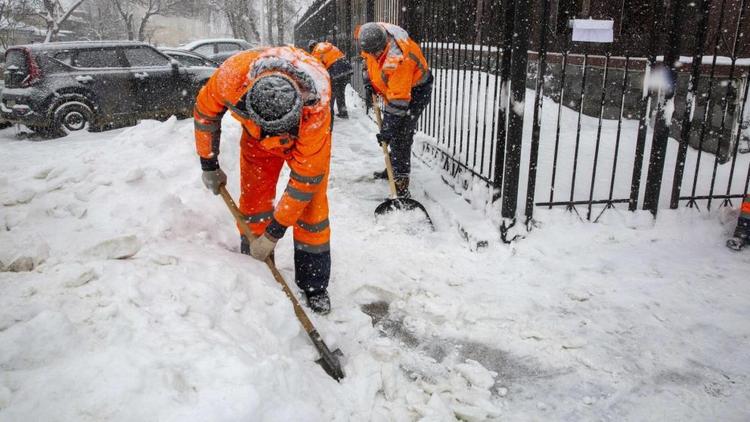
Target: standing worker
x,y
338,68
742,232
281,97
398,72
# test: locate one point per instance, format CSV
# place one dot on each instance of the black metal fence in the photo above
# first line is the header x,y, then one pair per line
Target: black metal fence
x,y
609,123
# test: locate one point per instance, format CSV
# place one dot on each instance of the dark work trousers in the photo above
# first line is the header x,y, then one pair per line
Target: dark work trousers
x,y
341,74
743,223
338,86
401,145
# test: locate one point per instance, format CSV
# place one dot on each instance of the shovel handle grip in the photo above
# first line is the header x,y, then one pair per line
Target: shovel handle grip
x,y
301,315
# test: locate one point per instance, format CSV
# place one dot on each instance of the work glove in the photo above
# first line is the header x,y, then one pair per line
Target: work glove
x,y
214,179
382,139
261,247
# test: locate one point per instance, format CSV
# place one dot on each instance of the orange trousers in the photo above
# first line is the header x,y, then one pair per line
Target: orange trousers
x,y
259,175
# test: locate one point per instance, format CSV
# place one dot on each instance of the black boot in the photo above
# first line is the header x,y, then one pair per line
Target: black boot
x,y
402,187
736,244
319,302
380,175
343,114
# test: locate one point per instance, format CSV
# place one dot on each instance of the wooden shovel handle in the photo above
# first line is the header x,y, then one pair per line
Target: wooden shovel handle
x,y
388,165
301,315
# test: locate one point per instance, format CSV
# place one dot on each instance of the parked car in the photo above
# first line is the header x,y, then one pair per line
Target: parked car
x,y
189,58
56,88
218,49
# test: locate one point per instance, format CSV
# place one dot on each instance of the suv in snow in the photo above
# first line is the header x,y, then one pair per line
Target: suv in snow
x,y
56,88
189,58
218,49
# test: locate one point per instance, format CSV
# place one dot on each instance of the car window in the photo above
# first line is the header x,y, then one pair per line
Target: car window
x,y
205,49
16,58
99,57
188,60
228,46
144,56
64,57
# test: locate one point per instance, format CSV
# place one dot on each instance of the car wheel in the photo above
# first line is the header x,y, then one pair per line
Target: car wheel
x,y
72,116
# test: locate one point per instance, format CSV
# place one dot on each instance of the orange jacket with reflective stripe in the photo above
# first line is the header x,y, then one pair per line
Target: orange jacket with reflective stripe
x,y
400,68
327,53
307,153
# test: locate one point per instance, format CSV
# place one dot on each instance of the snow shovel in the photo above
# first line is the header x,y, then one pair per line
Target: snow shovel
x,y
328,360
394,202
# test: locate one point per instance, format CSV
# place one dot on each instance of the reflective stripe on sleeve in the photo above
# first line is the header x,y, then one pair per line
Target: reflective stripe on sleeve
x,y
212,127
207,117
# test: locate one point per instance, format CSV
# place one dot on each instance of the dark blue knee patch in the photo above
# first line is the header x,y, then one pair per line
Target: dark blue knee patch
x,y
312,270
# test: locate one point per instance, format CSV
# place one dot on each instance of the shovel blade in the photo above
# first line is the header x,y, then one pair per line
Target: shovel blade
x,y
331,364
328,360
402,204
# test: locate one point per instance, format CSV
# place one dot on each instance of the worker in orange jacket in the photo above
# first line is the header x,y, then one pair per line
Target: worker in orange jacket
x,y
281,96
339,69
398,72
742,232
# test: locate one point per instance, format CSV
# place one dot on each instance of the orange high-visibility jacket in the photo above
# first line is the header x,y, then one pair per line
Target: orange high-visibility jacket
x,y
307,153
327,53
400,68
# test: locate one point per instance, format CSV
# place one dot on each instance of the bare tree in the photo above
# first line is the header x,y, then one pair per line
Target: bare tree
x,y
104,21
269,21
54,14
13,17
280,22
128,10
241,16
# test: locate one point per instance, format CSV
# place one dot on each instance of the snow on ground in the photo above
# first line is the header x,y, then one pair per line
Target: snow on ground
x,y
138,305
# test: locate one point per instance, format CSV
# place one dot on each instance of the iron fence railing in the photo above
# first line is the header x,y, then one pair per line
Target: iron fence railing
x,y
607,124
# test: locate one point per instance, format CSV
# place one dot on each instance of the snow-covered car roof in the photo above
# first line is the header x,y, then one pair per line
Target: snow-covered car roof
x,y
77,44
196,43
169,51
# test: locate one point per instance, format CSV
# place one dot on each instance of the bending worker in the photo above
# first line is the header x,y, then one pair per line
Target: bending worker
x,y
281,96
398,72
338,68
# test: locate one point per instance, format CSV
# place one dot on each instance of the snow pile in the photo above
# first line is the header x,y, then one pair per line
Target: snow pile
x,y
123,297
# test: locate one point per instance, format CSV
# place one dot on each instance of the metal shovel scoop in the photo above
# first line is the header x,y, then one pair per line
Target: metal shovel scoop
x,y
394,202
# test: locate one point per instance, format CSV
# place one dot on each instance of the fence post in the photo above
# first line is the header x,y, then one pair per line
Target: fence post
x,y
519,62
538,102
664,110
690,102
502,118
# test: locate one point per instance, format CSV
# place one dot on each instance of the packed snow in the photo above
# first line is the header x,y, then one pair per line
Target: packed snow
x,y
123,298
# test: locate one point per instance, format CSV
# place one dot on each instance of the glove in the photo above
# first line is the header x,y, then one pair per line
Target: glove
x,y
261,247
214,179
382,139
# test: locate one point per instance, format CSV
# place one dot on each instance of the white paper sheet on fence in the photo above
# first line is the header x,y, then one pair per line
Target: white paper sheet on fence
x,y
593,30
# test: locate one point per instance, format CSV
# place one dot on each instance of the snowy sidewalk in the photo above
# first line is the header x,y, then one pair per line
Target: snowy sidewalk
x,y
626,319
